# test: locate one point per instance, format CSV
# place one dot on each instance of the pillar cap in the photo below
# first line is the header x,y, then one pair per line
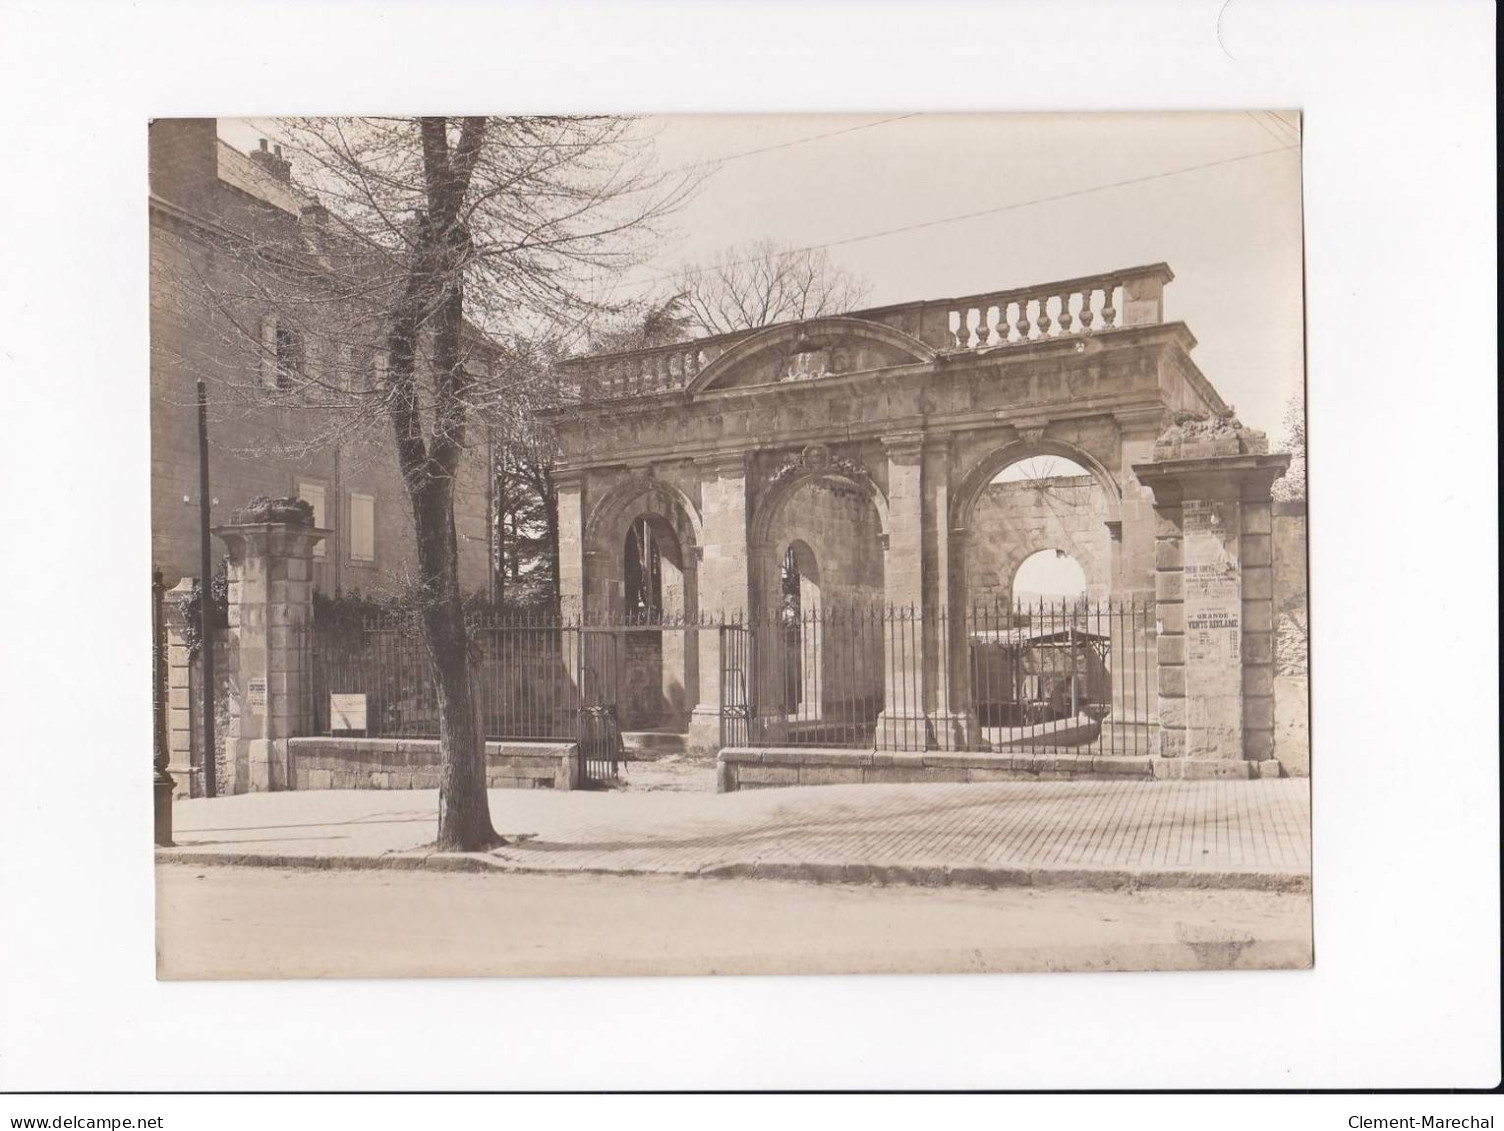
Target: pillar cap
x,y
1245,477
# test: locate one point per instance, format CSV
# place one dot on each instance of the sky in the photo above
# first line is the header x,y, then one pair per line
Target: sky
x,y
1217,196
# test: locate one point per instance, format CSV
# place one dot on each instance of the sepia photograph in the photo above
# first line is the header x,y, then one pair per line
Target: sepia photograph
x,y
938,559
761,544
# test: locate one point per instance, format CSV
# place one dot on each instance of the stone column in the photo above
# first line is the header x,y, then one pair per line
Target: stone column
x,y
270,547
724,583
903,723
1211,481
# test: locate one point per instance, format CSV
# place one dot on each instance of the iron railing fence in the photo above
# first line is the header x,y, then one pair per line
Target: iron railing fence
x,y
1068,677
532,675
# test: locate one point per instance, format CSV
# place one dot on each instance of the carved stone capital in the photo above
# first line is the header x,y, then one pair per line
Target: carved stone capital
x,y
725,465
906,447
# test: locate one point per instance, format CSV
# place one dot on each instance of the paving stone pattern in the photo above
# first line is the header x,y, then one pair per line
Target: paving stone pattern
x,y
1215,826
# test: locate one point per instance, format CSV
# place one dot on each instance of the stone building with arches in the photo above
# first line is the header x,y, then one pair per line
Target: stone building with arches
x,y
863,452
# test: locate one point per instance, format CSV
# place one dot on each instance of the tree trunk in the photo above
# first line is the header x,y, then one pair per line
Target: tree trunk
x,y
464,814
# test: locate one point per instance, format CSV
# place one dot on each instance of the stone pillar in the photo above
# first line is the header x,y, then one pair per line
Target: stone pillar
x,y
944,620
570,486
903,723
1211,481
964,729
270,547
183,725
724,584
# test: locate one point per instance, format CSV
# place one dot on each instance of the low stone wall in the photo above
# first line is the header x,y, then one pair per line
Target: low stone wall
x,y
413,763
744,767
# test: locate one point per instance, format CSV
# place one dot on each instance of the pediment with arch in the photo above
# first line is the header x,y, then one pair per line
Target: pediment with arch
x,y
806,351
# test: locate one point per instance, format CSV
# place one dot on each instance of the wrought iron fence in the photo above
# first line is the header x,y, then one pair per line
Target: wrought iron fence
x,y
1067,676
526,672
535,677
1064,677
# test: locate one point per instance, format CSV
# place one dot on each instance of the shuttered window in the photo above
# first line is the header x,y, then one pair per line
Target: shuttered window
x,y
362,528
314,494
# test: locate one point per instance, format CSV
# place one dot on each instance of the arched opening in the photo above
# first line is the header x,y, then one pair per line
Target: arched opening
x,y
1046,510
819,578
800,637
1038,561
658,688
643,573
1049,577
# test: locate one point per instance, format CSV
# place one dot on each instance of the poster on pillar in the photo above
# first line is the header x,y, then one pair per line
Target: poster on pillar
x,y
1213,585
757,577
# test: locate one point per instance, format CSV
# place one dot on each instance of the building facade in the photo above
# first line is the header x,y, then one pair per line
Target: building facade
x,y
205,194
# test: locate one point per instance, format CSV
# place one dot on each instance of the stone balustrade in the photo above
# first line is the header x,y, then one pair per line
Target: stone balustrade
x,y
644,372
1093,304
1089,305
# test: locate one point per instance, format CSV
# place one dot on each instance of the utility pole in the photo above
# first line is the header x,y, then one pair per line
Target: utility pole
x,y
205,615
162,783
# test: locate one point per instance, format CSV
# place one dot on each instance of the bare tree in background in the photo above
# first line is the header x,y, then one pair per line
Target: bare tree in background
x,y
423,243
743,288
1292,485
760,283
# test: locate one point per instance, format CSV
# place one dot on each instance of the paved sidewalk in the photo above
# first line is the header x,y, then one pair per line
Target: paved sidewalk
x,y
1252,834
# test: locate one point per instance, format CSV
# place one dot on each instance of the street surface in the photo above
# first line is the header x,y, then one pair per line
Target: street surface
x,y
233,922
1205,833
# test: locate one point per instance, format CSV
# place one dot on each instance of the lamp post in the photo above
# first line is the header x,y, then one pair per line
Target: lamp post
x,y
205,613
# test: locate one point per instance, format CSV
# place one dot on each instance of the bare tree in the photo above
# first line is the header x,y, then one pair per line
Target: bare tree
x,y
383,312
1292,485
760,283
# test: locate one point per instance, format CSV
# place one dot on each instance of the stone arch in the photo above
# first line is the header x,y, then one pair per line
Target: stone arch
x,y
640,495
777,494
1093,573
657,655
975,481
899,348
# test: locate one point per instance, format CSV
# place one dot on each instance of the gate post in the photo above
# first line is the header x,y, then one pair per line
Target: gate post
x,y
270,546
1211,480
183,759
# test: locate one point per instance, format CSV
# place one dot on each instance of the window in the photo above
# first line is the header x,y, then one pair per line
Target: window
x,y
287,356
362,528
279,353
343,364
313,494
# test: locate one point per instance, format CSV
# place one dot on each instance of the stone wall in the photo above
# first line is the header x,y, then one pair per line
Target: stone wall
x,y
388,763
746,767
1292,705
1013,520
